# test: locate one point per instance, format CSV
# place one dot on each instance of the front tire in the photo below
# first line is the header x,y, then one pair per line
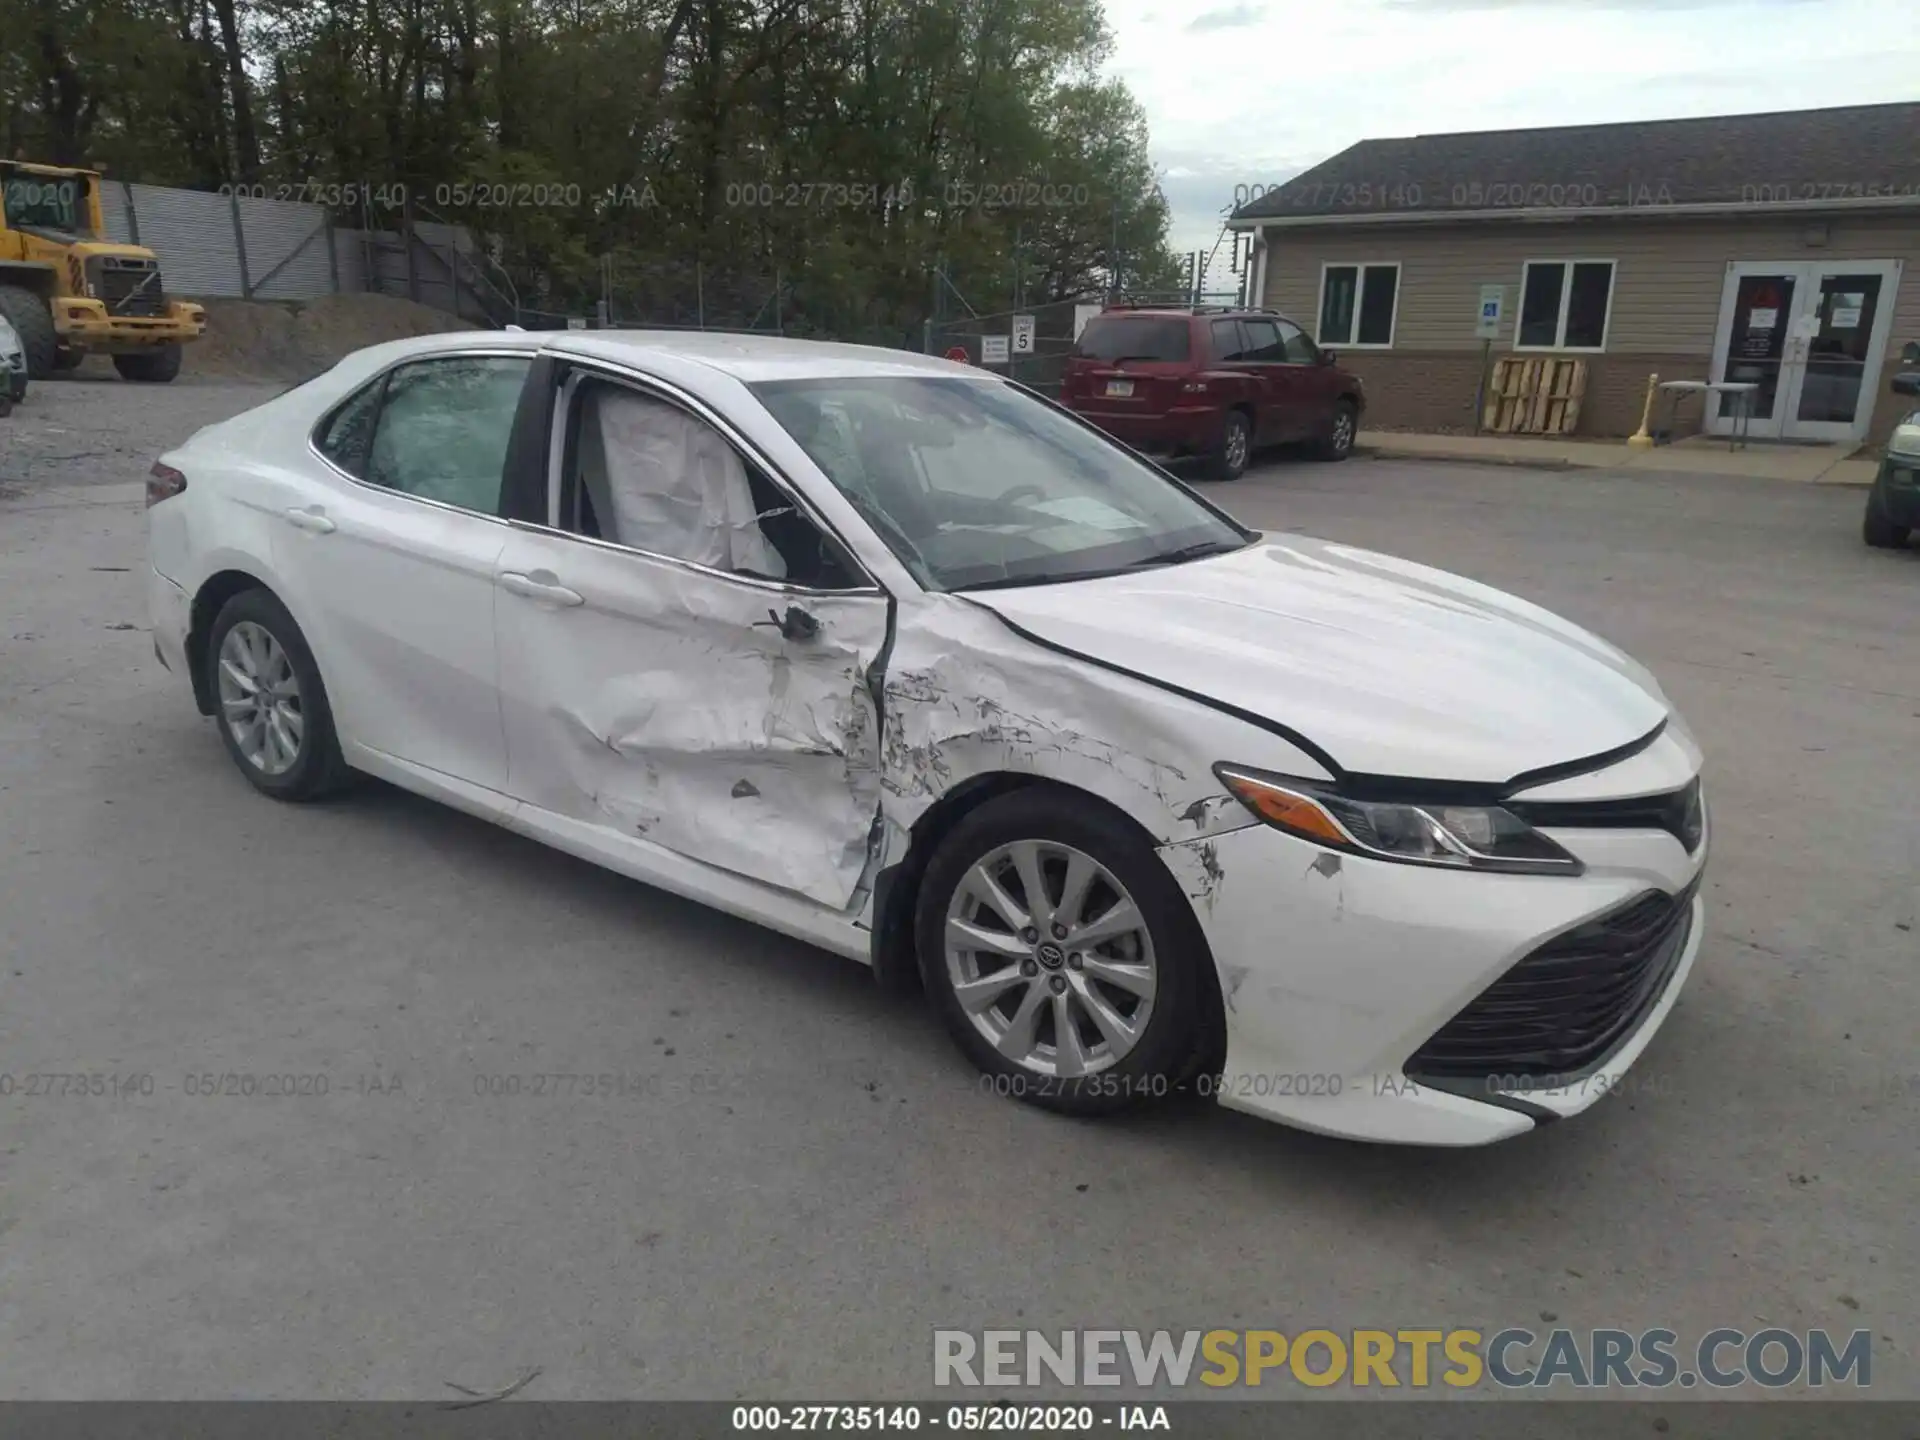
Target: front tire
x,y
32,320
1062,956
155,367
1337,443
1878,529
269,701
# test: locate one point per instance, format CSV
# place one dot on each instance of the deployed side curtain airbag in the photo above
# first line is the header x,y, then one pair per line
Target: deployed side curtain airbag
x,y
673,484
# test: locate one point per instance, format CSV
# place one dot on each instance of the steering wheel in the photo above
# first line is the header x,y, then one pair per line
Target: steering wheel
x,y
1027,489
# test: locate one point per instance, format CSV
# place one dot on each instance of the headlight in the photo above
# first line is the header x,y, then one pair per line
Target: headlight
x,y
1461,837
1905,441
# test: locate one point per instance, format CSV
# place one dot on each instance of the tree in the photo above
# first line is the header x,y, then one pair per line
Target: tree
x,y
809,160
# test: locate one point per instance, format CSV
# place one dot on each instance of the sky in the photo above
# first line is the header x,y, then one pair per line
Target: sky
x,y
1252,92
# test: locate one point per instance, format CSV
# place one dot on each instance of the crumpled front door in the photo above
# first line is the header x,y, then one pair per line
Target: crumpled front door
x,y
669,704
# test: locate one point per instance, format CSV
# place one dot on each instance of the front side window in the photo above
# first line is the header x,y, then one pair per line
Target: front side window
x,y
1357,304
442,429
646,474
1295,346
1263,341
974,483
1563,305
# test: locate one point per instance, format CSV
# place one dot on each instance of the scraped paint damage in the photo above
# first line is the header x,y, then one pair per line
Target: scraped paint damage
x,y
1198,869
966,696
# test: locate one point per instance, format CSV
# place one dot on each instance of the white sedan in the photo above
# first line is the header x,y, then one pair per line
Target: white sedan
x,y
892,655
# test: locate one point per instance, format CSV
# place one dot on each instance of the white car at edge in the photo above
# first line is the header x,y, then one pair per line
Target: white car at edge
x,y
891,655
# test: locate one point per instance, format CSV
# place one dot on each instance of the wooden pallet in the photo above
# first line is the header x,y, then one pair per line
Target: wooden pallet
x,y
1530,396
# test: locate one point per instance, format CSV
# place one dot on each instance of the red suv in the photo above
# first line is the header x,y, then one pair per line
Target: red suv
x,y
1215,383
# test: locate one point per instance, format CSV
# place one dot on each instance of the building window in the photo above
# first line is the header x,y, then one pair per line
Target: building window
x,y
1564,305
1358,303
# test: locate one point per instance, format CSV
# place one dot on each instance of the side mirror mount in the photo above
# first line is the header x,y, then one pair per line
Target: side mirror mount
x,y
1907,383
1326,357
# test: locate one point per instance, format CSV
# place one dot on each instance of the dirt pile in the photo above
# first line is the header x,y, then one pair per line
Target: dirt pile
x,y
291,340
286,340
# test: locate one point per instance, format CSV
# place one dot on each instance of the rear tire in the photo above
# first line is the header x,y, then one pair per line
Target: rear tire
x,y
269,701
1233,449
1878,529
33,321
156,366
1127,998
1337,443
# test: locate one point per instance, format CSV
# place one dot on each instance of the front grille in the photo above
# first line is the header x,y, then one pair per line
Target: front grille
x,y
1560,1013
1681,813
128,286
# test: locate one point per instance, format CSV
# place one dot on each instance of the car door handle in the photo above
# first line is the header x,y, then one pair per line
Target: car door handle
x,y
312,519
547,591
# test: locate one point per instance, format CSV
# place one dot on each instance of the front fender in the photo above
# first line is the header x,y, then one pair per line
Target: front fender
x,y
966,696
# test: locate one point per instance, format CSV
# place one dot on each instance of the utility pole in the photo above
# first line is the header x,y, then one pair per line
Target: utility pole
x,y
1113,257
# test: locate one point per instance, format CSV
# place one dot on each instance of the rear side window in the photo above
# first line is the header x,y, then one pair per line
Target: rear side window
x,y
443,428
349,431
1134,337
1228,343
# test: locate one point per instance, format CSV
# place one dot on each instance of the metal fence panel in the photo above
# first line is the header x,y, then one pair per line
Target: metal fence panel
x,y
286,249
192,233
350,248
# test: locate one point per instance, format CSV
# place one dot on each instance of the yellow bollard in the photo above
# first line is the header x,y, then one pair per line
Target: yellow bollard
x,y
1642,439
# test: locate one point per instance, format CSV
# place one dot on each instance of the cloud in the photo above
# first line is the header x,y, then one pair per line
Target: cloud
x,y
1232,17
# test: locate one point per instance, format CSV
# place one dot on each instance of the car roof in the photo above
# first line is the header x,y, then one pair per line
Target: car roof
x,y
751,358
748,358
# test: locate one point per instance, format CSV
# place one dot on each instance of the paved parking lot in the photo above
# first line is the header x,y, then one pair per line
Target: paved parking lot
x,y
808,1180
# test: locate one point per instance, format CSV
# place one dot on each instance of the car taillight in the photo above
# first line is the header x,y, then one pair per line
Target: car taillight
x,y
163,483
1194,387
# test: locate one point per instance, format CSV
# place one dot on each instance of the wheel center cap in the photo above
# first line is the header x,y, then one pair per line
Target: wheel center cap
x,y
1051,955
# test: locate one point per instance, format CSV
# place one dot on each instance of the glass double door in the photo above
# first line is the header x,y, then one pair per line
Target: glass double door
x,y
1810,336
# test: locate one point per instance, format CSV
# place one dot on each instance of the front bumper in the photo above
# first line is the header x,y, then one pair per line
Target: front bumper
x,y
88,325
1334,975
1897,490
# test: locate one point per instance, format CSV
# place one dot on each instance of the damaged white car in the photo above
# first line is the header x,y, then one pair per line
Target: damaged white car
x,y
892,655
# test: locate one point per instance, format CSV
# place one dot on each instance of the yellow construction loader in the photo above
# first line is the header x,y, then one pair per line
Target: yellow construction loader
x,y
70,292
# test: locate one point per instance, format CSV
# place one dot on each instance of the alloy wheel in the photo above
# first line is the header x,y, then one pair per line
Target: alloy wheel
x,y
1236,445
260,701
1050,958
1342,431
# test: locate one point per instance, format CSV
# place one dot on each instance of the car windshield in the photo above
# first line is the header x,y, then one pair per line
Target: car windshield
x,y
1133,337
975,483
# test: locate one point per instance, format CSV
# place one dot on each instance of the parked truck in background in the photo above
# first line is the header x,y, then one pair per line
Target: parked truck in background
x,y
69,292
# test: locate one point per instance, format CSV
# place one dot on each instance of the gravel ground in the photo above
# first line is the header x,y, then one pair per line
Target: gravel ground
x,y
92,431
811,1180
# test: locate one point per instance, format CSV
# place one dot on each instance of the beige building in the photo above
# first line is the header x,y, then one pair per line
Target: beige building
x,y
1780,251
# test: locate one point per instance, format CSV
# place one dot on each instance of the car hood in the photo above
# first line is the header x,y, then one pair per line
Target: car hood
x,y
1389,667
